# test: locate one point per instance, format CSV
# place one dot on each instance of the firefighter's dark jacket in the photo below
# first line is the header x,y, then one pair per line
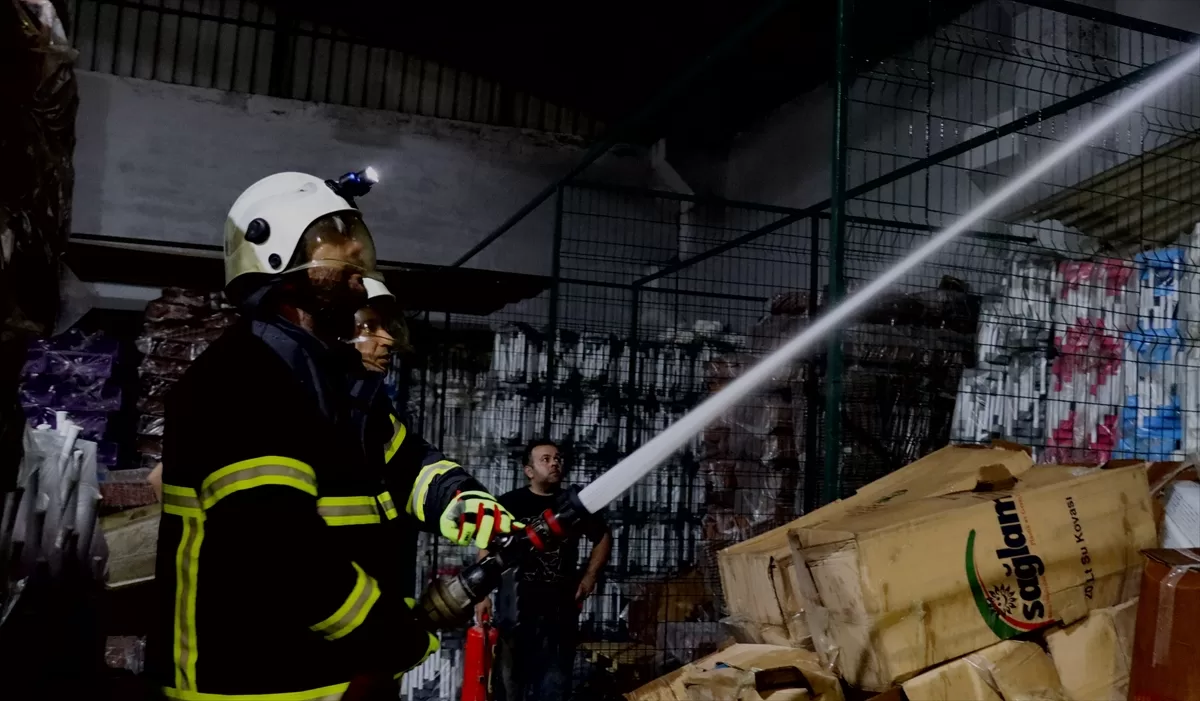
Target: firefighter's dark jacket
x,y
279,565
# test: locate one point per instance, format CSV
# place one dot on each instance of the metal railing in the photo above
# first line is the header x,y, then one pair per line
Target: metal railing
x,y
252,47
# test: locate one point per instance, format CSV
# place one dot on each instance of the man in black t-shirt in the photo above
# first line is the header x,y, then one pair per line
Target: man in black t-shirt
x,y
537,607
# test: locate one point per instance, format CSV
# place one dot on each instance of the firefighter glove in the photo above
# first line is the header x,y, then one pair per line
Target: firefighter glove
x,y
476,516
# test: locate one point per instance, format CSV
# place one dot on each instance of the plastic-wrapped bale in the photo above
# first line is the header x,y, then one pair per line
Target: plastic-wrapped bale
x,y
74,372
38,123
179,326
898,394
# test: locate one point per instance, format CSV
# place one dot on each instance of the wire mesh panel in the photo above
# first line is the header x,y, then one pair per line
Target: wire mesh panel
x,y
1063,321
651,351
1086,280
474,386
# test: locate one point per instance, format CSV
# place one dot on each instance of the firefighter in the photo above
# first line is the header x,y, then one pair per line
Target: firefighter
x,y
379,332
276,567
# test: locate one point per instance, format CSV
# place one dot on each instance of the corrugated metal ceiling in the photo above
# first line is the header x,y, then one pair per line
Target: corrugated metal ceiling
x,y
1148,200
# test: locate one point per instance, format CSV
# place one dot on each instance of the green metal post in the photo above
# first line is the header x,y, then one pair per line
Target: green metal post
x,y
837,273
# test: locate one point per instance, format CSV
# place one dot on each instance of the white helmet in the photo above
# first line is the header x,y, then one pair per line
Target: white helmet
x,y
376,290
269,221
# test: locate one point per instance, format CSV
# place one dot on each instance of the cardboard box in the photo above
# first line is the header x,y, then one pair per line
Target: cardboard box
x,y
1166,645
132,538
1093,656
1006,671
746,673
757,577
906,586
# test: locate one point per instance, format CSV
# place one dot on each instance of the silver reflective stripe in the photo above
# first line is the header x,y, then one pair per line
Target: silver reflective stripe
x,y
254,474
388,506
181,501
359,510
393,444
416,500
186,562
348,511
189,501
354,610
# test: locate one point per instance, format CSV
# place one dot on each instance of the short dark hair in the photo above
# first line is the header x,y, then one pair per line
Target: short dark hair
x,y
536,443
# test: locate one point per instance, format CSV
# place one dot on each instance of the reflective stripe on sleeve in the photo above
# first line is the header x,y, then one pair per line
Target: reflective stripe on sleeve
x,y
257,472
393,444
348,511
325,693
388,505
353,610
181,501
416,498
430,647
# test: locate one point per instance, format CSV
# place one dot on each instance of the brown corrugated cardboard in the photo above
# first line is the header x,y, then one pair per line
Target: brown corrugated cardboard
x,y
1166,645
908,585
757,576
746,673
1093,656
1006,671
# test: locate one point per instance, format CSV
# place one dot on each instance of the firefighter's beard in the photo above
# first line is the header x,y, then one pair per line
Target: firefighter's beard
x,y
330,298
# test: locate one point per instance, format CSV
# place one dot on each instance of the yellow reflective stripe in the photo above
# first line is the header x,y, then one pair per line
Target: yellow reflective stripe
x,y
187,561
393,444
325,693
433,646
388,506
416,498
353,610
346,501
257,472
181,501
348,511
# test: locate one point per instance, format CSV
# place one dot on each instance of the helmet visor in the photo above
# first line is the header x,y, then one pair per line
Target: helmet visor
x,y
340,241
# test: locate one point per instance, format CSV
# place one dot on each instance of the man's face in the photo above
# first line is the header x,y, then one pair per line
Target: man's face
x,y
334,254
372,340
340,279
545,466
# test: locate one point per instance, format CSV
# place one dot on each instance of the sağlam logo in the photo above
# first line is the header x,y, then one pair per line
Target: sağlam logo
x,y
1015,605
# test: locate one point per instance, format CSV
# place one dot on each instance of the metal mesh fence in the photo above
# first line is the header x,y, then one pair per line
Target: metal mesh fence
x,y
1065,322
1085,281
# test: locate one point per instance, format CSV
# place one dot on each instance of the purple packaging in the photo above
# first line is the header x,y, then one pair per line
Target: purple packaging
x,y
85,365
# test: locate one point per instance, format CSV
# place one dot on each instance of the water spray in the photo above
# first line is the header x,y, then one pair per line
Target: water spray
x,y
447,602
624,474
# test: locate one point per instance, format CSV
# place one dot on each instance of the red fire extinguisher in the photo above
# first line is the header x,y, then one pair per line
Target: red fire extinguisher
x,y
478,654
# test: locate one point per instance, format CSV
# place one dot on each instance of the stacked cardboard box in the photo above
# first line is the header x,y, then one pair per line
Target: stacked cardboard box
x,y
912,584
922,578
1093,656
746,673
1007,671
758,579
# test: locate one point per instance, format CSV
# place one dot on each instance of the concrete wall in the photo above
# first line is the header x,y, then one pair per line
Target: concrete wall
x,y
164,162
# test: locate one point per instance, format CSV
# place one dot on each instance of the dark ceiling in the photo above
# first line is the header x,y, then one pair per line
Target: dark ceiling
x,y
610,58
